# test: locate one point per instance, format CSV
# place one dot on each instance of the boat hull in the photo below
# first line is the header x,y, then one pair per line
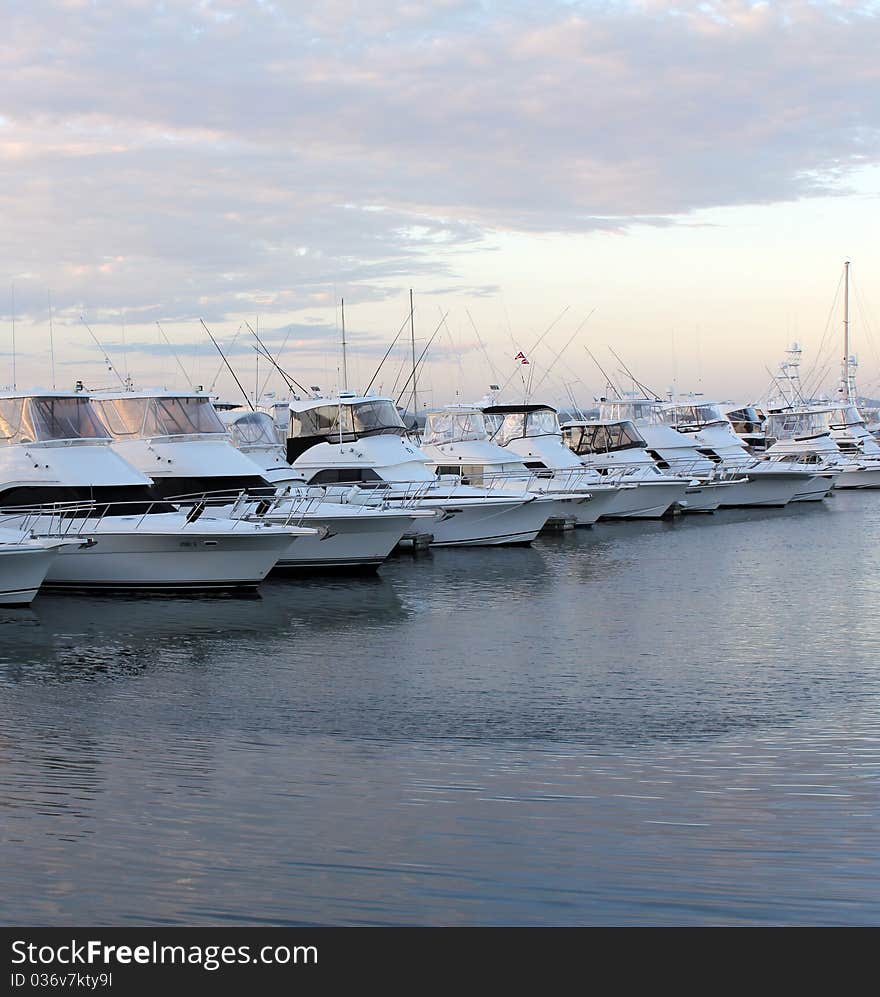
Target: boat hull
x,y
764,489
706,497
22,572
355,541
602,499
162,552
864,477
486,523
817,488
647,500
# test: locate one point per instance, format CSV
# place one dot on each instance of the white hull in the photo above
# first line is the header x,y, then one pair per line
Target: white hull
x,y
704,498
485,522
22,571
764,489
817,488
358,540
648,500
601,500
158,552
865,477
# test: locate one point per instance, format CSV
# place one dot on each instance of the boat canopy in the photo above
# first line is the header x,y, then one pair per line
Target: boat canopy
x,y
601,437
451,426
633,409
796,424
345,421
506,423
693,414
40,420
251,429
151,416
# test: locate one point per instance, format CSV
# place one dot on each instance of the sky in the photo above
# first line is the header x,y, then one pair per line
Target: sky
x,y
678,182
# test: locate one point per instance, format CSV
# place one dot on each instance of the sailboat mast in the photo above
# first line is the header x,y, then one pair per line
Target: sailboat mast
x,y
344,360
846,378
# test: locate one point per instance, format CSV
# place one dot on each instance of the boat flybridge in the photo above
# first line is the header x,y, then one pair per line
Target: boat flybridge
x,y
617,449
457,442
354,534
763,482
361,440
60,479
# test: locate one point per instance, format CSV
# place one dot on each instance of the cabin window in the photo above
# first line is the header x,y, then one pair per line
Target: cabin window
x,y
472,473
344,476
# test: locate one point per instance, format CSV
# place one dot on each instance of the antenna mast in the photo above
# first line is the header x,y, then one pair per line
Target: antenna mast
x,y
847,380
13,339
344,359
412,333
51,338
228,365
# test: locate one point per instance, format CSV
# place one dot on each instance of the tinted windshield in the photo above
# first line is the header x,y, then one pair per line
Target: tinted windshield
x,y
39,420
745,415
372,417
345,422
454,427
599,438
151,417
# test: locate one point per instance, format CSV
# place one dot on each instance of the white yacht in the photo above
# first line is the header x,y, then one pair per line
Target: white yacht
x,y
672,451
616,449
849,431
360,440
800,436
457,442
762,483
531,433
25,561
817,432
353,534
60,477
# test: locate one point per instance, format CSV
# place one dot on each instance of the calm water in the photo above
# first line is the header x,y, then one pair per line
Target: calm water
x,y
668,723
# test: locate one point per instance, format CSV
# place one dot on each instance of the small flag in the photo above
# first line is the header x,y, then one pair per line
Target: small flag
x,y
521,357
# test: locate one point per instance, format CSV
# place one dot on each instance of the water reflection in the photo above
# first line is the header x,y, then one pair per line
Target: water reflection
x,y
639,723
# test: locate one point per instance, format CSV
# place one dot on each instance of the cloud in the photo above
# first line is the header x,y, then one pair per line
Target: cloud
x,y
213,159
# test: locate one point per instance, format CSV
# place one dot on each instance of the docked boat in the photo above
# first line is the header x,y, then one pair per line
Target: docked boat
x,y
60,477
25,561
816,433
756,483
456,441
352,440
531,433
617,450
352,534
672,451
